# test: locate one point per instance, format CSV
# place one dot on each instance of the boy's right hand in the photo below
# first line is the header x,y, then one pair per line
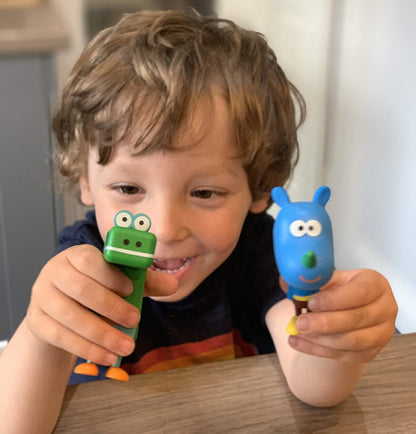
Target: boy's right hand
x,y
75,286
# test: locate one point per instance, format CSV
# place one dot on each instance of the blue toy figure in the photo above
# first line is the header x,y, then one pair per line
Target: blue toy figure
x,y
303,247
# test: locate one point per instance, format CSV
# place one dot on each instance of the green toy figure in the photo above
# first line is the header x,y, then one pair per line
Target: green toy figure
x,y
130,246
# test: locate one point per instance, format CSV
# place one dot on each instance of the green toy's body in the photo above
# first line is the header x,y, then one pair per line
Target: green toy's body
x,y
129,246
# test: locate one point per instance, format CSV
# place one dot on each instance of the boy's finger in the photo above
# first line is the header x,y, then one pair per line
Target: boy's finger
x,y
348,291
355,340
308,347
159,283
87,293
81,294
343,320
90,262
58,335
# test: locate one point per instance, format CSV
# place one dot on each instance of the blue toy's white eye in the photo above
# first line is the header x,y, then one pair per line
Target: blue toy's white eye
x,y
298,228
142,222
123,219
313,228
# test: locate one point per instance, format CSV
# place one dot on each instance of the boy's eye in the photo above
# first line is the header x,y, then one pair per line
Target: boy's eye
x,y
204,194
127,189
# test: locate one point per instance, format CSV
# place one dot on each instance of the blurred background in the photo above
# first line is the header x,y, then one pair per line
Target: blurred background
x,y
353,61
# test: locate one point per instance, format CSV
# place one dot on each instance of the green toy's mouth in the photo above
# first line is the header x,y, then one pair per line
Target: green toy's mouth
x,y
129,252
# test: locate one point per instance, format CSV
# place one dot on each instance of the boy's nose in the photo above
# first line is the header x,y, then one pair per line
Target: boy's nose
x,y
169,223
309,259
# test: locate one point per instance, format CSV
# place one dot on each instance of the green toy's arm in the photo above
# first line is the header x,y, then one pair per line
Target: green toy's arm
x,y
130,246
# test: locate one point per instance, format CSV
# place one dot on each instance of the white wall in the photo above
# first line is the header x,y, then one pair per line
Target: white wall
x,y
72,14
355,63
298,32
371,148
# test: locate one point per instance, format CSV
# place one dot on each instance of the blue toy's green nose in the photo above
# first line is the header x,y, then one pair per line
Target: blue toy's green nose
x,y
309,259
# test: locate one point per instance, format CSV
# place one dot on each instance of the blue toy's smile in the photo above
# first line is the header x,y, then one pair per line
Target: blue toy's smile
x,y
129,252
303,279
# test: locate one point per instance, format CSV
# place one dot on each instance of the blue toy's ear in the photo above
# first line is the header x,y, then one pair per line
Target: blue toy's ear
x,y
280,196
322,195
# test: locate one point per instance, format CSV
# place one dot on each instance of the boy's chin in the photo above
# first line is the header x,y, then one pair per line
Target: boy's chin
x,y
180,294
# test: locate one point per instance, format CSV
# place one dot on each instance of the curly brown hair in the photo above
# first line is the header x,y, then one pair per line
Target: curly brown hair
x,y
151,67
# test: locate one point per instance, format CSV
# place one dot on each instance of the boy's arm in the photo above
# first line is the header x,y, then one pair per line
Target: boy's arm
x,y
351,321
36,364
318,381
33,378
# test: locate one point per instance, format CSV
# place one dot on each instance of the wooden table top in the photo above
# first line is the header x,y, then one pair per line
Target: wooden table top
x,y
246,395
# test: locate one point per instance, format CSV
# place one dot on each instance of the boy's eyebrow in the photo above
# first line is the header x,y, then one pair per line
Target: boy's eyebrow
x,y
231,167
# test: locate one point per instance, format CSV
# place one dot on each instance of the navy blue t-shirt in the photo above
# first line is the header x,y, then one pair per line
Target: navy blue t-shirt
x,y
223,318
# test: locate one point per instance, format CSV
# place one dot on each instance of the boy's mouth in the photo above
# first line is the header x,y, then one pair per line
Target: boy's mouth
x,y
171,266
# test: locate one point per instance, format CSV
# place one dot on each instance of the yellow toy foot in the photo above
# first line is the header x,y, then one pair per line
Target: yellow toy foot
x,y
291,327
117,374
86,368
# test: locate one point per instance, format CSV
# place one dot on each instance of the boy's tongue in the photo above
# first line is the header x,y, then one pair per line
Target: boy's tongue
x,y
169,264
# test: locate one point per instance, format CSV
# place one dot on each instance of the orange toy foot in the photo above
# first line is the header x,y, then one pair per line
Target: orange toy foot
x,y
86,368
117,374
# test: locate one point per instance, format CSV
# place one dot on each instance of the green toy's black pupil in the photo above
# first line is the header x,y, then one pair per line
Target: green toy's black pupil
x,y
126,242
138,244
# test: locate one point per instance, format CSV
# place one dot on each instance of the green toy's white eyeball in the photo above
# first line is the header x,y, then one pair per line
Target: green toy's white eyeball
x,y
123,219
313,228
142,222
298,228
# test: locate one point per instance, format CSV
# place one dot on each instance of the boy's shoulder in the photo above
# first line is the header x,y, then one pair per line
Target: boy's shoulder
x,y
255,245
81,232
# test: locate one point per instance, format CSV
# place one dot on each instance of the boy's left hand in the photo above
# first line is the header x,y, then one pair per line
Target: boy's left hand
x,y
352,318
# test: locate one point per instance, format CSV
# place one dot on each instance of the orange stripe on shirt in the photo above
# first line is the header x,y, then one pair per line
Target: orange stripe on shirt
x,y
223,347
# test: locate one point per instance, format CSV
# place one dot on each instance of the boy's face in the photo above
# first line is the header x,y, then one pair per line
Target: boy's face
x,y
197,198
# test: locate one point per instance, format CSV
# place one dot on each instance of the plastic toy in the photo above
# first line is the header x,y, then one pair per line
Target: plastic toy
x,y
130,246
303,247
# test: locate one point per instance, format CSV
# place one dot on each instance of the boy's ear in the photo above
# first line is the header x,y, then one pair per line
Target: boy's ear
x,y
260,205
84,186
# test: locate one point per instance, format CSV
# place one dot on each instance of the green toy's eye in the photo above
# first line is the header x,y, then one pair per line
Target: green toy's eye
x,y
142,222
123,219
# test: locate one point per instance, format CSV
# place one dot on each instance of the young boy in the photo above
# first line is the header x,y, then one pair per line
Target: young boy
x,y
191,121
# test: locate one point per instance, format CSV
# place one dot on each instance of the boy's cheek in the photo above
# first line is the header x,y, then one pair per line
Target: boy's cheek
x,y
222,240
105,220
